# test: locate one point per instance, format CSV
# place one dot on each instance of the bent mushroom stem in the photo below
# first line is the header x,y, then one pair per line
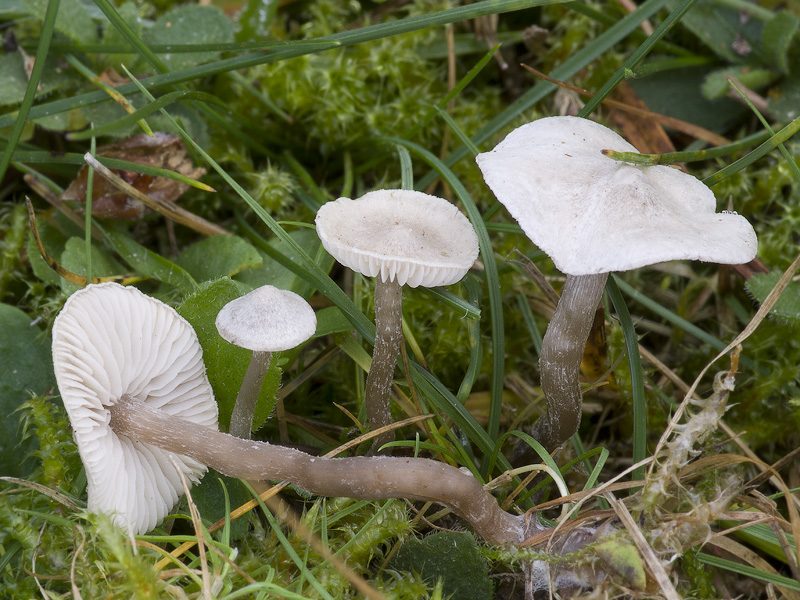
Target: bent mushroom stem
x,y
362,477
247,398
560,360
388,337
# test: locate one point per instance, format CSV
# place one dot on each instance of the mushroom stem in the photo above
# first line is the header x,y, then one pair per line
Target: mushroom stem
x,y
560,360
388,337
362,477
246,400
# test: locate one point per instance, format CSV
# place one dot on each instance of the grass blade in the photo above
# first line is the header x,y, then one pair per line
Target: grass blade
x,y
19,118
635,58
637,376
492,281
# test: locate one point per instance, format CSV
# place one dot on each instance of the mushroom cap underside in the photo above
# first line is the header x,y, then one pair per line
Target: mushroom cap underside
x,y
267,319
399,235
110,341
592,214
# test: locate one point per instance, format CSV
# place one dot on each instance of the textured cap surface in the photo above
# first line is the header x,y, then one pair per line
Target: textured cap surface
x,y
592,214
399,235
267,319
110,341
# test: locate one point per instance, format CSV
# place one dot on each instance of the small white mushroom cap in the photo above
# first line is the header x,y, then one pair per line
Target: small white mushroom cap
x,y
110,341
592,214
399,235
267,319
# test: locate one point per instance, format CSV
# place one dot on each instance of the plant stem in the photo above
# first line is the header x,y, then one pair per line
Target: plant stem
x,y
388,337
246,400
560,361
361,477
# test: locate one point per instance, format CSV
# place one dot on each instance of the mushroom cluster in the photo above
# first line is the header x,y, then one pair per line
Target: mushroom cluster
x,y
592,215
399,237
131,375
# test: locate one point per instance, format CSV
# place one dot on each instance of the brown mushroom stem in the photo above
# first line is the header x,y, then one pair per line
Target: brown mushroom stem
x,y
362,477
388,337
247,398
560,360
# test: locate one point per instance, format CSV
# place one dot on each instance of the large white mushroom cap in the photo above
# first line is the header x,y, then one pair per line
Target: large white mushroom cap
x,y
110,341
592,214
267,319
399,235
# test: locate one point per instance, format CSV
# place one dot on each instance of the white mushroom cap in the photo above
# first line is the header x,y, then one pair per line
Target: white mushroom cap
x,y
110,341
592,214
267,319
399,235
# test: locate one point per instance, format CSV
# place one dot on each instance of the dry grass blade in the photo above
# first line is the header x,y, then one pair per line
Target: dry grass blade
x,y
749,557
76,592
198,531
688,128
299,528
169,210
656,568
56,202
73,278
251,504
533,272
760,315
43,489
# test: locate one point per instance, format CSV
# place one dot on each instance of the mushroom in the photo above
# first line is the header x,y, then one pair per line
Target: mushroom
x,y
592,215
265,320
130,372
111,342
400,237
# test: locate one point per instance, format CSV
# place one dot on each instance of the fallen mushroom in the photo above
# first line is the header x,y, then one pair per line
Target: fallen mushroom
x,y
592,215
399,237
109,342
264,321
127,400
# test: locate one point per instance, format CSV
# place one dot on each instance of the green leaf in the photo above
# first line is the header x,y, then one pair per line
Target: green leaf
x,y
723,30
74,259
15,79
74,19
676,92
452,557
12,8
148,262
716,83
623,559
331,320
219,256
209,497
779,32
25,369
54,242
787,308
225,363
190,24
131,14
271,271
784,99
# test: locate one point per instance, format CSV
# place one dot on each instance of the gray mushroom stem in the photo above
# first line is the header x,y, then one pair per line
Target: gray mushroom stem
x,y
362,477
560,360
247,398
388,337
